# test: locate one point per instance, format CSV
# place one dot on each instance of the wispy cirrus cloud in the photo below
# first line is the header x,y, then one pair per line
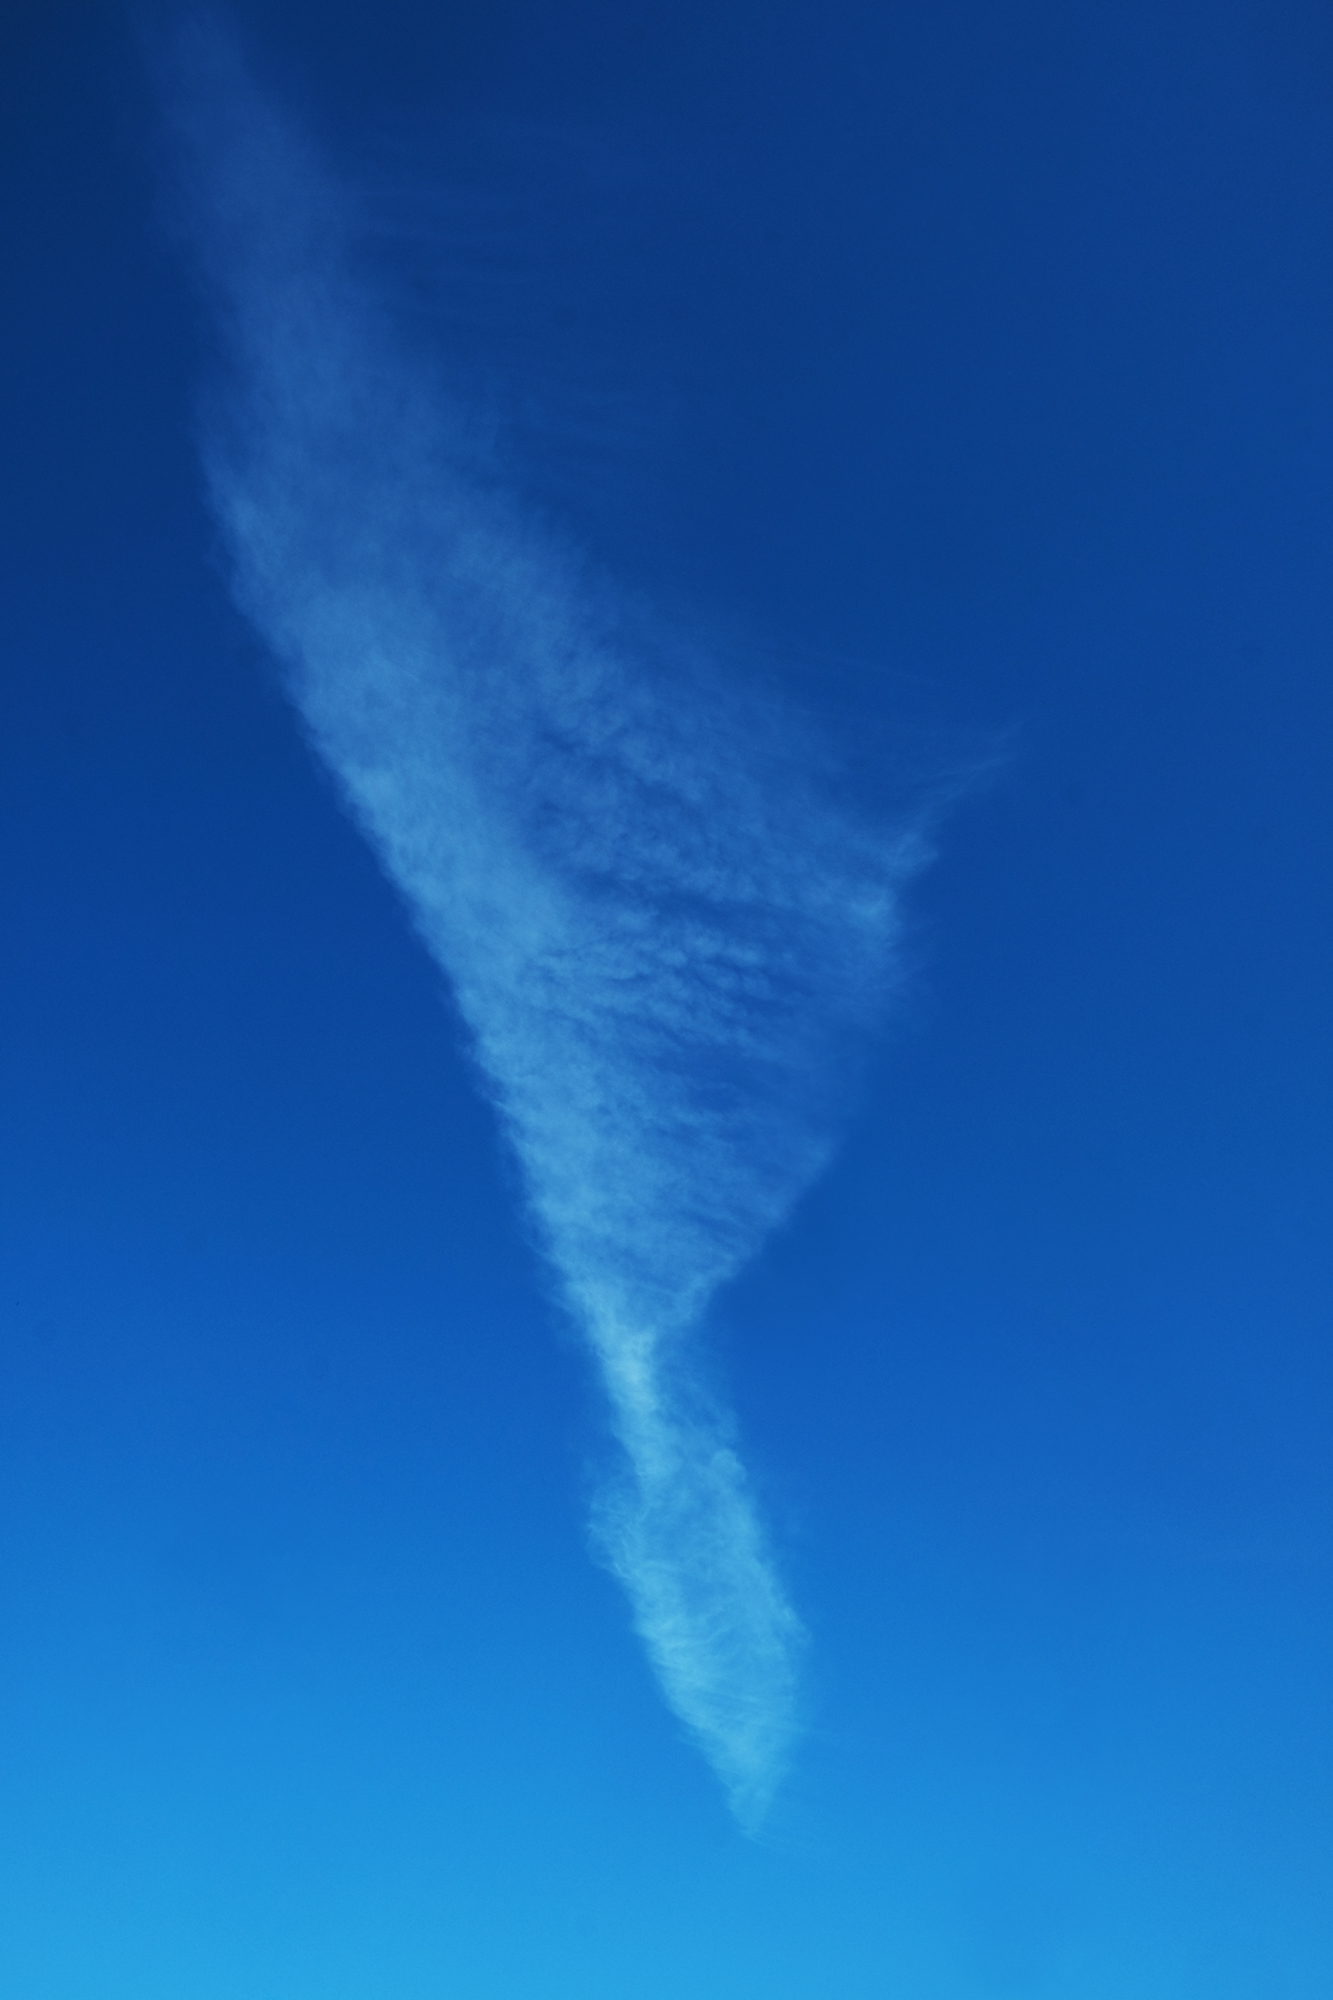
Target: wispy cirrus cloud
x,y
669,944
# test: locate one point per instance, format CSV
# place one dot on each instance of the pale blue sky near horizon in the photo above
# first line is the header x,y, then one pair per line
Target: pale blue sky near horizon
x,y
980,357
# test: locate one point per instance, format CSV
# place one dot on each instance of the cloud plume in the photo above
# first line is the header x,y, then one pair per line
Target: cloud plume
x,y
668,943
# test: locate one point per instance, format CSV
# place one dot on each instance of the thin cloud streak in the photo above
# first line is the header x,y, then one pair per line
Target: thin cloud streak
x,y
669,947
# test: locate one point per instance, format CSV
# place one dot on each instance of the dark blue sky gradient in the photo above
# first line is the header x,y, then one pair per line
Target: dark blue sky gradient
x,y
983,357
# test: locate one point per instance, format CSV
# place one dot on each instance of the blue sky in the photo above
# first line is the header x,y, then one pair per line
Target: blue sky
x,y
914,425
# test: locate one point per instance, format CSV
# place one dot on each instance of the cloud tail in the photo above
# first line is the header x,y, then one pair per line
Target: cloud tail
x,y
668,943
680,1531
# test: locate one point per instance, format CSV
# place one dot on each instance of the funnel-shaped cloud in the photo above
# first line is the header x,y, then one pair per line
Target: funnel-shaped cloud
x,y
669,946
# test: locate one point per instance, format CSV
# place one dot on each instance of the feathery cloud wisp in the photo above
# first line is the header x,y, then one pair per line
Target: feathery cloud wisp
x,y
668,944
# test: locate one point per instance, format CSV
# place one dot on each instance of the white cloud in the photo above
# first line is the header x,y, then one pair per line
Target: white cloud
x,y
667,942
